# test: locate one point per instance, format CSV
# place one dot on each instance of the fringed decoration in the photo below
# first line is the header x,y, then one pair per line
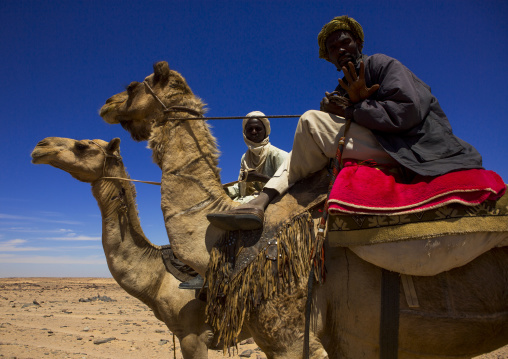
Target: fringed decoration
x,y
278,267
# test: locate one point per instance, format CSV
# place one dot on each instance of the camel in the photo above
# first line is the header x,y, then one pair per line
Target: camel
x,y
345,316
134,262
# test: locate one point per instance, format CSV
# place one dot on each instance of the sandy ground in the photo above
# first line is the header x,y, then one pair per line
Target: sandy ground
x,y
44,318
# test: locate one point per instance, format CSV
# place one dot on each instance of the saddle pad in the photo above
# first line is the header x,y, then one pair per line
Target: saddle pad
x,y
362,189
452,219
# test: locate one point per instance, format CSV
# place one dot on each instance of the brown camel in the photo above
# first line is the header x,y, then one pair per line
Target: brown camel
x,y
463,312
135,263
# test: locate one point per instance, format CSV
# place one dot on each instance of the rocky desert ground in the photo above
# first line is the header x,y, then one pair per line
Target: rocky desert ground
x,y
88,318
92,318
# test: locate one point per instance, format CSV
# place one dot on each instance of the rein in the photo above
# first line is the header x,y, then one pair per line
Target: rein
x,y
131,180
317,256
198,115
166,110
118,158
173,108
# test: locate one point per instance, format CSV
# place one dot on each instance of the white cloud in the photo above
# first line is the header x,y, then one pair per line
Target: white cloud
x,y
19,245
86,247
36,230
15,241
12,217
11,258
16,245
74,237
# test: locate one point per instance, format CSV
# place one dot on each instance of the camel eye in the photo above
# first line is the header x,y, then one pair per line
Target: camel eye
x,y
81,146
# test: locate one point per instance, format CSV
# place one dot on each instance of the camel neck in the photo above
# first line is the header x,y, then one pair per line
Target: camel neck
x,y
126,247
187,153
191,187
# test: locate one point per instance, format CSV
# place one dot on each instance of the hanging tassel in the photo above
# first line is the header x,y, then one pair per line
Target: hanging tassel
x,y
317,256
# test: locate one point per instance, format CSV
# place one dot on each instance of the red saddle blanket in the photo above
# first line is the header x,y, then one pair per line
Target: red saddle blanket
x,y
365,189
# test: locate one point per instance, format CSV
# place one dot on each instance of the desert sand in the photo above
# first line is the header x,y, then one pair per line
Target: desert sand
x,y
92,318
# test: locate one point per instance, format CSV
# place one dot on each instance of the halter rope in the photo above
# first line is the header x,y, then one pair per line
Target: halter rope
x,y
118,158
198,115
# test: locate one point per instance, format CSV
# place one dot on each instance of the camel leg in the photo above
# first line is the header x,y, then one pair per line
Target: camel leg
x,y
295,351
194,347
194,334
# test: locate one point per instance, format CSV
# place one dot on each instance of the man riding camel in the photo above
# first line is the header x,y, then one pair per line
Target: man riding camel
x,y
259,162
395,123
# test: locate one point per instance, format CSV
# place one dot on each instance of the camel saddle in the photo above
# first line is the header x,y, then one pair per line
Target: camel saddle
x,y
247,267
425,243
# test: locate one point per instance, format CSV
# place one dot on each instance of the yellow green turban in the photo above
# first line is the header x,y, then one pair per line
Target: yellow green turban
x,y
343,22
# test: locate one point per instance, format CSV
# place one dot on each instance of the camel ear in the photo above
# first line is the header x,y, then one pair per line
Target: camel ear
x,y
160,72
113,145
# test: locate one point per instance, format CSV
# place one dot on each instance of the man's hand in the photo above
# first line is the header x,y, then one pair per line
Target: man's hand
x,y
330,106
355,86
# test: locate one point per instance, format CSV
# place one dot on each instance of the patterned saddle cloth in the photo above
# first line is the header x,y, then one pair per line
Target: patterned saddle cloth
x,y
452,219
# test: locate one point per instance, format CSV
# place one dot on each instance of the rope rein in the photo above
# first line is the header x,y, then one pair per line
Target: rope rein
x,y
132,180
167,110
317,257
173,109
118,158
198,115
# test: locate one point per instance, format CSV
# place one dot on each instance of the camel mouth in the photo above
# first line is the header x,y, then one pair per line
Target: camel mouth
x,y
106,112
37,160
39,157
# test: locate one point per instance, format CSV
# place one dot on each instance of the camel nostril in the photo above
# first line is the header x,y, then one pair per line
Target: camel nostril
x,y
43,143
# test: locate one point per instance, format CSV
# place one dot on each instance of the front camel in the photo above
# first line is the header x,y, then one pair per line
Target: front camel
x,y
186,153
134,262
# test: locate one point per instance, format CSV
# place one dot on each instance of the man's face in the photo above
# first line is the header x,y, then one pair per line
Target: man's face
x,y
255,130
342,48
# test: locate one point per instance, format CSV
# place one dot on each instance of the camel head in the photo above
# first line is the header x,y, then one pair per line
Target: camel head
x,y
85,160
137,108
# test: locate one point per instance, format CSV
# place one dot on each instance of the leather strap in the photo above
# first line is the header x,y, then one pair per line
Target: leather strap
x,y
389,323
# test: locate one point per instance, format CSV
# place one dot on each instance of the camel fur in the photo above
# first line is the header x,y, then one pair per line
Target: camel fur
x,y
458,317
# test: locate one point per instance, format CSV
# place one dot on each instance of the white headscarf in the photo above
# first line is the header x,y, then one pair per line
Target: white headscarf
x,y
256,154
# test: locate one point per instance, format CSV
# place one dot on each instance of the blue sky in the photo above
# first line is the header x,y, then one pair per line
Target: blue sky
x,y
62,59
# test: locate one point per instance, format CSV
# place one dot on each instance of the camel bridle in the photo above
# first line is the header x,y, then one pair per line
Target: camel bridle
x,y
119,159
173,108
